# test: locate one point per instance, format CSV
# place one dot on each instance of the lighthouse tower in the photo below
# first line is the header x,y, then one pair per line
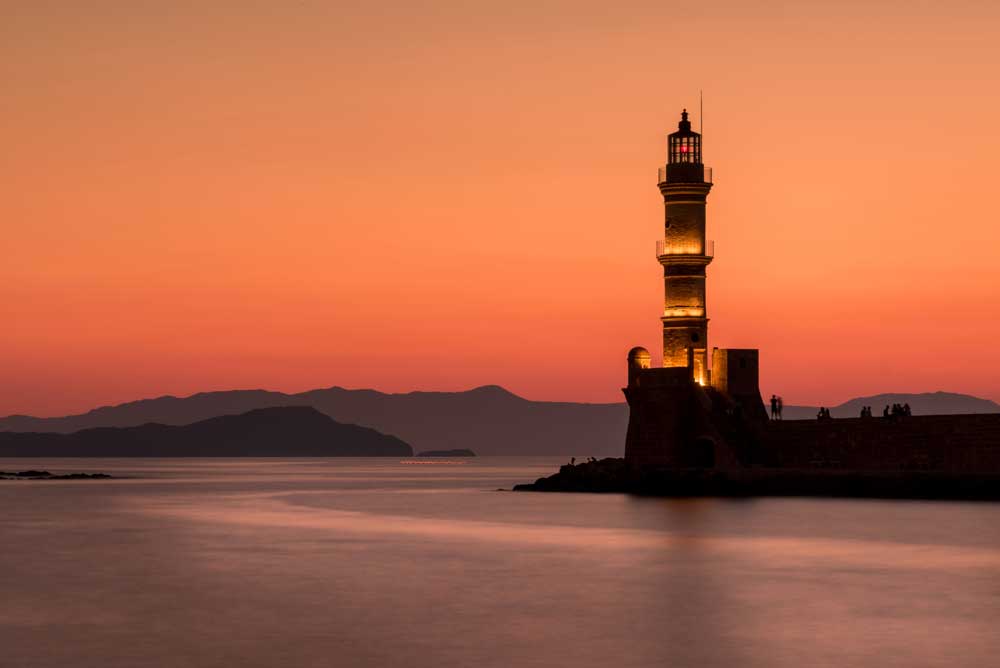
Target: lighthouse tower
x,y
684,253
688,415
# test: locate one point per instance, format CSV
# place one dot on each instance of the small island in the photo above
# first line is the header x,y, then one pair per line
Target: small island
x,y
45,475
458,452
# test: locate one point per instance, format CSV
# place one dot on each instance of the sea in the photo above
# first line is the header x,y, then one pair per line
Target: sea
x,y
433,564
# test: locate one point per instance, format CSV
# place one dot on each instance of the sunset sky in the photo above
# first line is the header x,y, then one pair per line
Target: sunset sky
x,y
201,195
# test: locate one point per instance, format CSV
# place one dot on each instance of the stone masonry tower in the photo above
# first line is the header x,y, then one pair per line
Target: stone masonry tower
x,y
688,416
684,253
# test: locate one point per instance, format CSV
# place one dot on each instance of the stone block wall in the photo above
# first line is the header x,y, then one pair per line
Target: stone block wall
x,y
954,444
673,423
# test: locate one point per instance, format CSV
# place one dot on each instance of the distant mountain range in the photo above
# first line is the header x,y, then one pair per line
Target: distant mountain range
x,y
489,419
927,403
295,431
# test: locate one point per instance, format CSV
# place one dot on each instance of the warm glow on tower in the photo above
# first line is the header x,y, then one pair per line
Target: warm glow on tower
x,y
684,252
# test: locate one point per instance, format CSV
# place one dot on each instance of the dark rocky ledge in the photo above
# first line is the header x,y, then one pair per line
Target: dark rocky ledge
x,y
602,475
458,452
45,475
615,476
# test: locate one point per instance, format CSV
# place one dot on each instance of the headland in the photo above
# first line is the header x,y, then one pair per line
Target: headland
x,y
291,431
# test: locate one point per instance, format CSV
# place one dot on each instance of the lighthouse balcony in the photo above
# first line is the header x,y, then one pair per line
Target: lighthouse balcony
x,y
667,249
684,172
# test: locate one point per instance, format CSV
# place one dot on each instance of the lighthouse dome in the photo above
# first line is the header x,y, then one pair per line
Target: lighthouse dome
x,y
639,358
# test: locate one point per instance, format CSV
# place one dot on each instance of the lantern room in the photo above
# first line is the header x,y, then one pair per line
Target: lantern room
x,y
684,145
684,163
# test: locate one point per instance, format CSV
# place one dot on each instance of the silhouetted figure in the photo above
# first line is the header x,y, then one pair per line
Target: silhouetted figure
x,y
906,409
781,406
885,411
824,413
572,461
864,411
774,407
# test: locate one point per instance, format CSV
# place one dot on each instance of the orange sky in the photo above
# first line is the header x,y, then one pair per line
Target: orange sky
x,y
439,195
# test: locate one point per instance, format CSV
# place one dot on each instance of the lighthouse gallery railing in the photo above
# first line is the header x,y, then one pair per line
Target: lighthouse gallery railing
x,y
661,175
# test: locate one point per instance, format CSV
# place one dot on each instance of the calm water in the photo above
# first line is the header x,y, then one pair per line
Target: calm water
x,y
379,563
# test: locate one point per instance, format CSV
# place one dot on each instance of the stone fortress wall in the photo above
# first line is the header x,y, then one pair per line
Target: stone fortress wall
x,y
953,444
677,424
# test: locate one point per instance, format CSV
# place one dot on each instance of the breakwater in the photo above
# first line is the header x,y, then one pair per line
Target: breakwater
x,y
920,457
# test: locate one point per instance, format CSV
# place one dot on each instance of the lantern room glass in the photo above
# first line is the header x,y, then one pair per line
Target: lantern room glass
x,y
685,148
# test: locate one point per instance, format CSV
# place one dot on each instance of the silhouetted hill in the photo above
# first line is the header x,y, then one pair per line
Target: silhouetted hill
x,y
927,403
294,431
489,419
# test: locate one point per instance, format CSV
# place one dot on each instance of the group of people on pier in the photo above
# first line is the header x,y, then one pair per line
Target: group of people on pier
x,y
898,410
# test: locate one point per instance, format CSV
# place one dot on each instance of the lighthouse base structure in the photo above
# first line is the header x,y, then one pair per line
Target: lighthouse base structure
x,y
686,439
676,423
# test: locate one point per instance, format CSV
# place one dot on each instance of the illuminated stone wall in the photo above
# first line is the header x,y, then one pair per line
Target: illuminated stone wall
x,y
680,335
736,371
684,224
683,256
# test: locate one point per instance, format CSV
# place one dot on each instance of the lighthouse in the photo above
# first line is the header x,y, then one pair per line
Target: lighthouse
x,y
684,252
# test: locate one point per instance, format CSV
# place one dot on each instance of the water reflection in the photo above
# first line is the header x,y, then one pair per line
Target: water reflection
x,y
313,562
